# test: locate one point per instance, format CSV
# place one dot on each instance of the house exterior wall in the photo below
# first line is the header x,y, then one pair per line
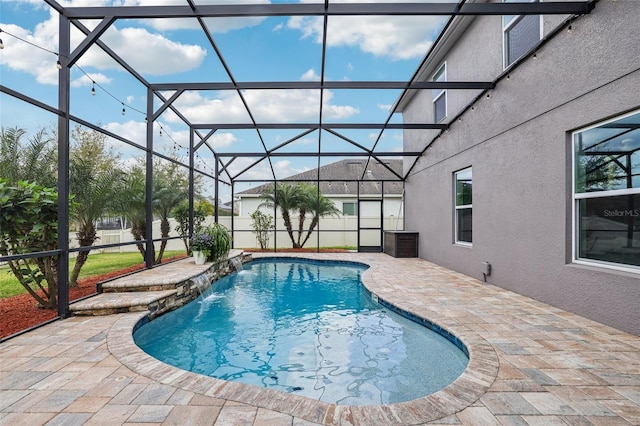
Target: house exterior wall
x,y
518,142
344,227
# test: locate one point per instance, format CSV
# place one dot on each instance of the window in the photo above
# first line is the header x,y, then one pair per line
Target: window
x,y
520,34
350,209
440,96
607,192
463,206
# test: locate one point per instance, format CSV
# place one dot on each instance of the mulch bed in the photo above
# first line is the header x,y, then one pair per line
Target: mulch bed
x,y
18,313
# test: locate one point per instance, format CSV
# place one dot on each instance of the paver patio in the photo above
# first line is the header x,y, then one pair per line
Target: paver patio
x,y
531,364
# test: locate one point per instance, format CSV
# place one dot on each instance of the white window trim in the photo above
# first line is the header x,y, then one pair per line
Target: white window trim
x,y
443,92
508,26
576,196
461,207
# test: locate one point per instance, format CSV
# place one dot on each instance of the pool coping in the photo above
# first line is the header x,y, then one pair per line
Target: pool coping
x,y
474,382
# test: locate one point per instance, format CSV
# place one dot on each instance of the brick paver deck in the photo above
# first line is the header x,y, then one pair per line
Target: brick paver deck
x,y
531,364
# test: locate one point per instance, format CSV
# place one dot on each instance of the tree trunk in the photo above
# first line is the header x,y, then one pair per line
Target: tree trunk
x,y
287,224
51,275
301,219
16,269
138,230
314,223
165,228
86,237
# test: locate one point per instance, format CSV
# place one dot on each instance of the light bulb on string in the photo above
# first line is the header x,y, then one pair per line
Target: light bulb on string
x,y
123,110
1,44
58,64
160,131
93,89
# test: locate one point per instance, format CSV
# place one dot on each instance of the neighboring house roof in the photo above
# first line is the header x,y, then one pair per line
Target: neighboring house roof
x,y
350,169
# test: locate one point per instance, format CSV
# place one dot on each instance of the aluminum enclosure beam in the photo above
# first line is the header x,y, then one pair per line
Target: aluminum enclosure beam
x,y
315,126
322,154
332,9
286,85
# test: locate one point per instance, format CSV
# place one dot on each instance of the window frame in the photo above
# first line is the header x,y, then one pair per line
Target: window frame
x,y
439,93
458,208
355,208
515,19
576,197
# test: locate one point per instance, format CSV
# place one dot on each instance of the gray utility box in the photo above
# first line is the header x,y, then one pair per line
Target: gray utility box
x,y
401,243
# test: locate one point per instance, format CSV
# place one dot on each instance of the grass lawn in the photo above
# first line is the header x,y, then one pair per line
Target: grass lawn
x,y
97,264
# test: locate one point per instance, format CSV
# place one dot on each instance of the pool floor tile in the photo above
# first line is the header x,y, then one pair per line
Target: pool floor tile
x,y
531,364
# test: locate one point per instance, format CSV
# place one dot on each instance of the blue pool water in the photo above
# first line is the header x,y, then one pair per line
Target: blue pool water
x,y
306,327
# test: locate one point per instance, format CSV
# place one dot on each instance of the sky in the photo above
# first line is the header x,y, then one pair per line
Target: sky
x,y
177,51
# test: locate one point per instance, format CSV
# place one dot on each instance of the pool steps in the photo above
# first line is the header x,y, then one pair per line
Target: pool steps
x,y
157,290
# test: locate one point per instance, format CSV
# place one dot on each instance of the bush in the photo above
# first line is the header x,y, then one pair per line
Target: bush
x,y
29,223
214,241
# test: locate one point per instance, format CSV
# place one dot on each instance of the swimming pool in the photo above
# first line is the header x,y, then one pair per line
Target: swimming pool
x,y
306,327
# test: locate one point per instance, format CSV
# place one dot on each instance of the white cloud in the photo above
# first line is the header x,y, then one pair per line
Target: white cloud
x,y
310,75
304,141
278,27
148,53
282,169
384,107
267,106
20,56
395,37
221,140
84,81
136,131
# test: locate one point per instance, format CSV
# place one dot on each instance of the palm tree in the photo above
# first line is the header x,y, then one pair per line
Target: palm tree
x,y
308,197
319,206
287,197
34,162
93,195
132,204
93,179
169,190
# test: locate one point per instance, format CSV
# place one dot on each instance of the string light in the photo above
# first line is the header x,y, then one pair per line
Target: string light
x,y
93,84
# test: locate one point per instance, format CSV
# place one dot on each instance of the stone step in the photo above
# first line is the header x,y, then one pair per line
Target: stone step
x,y
164,277
115,303
157,290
